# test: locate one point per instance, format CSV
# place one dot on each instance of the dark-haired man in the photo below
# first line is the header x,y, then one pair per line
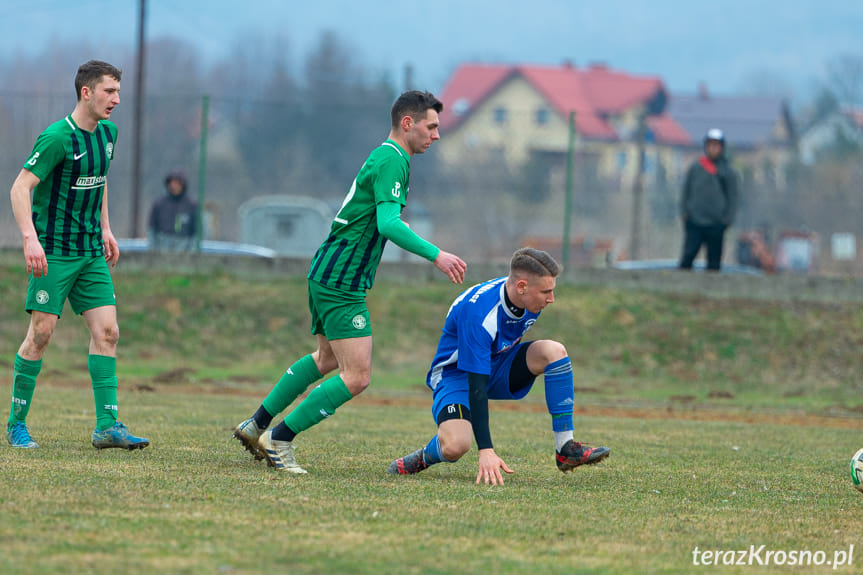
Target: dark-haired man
x,y
342,270
66,231
481,356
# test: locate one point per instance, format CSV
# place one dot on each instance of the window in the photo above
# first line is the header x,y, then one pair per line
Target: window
x,y
649,163
499,116
542,116
649,136
461,106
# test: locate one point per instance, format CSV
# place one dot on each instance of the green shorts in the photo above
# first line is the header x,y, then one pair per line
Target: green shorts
x,y
84,281
338,314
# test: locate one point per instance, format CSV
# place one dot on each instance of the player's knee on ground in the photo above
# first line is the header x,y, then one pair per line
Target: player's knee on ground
x,y
454,448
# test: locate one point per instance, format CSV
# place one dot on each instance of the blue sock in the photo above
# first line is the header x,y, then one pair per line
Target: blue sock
x,y
559,394
432,453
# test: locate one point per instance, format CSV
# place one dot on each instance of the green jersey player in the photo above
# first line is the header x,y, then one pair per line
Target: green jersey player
x,y
66,230
341,272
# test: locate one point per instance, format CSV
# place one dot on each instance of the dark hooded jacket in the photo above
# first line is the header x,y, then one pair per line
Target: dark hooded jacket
x,y
173,220
709,196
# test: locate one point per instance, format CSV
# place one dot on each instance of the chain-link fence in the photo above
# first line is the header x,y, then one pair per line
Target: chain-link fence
x,y
476,202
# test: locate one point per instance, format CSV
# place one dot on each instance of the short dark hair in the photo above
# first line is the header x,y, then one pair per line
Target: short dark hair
x,y
534,262
91,72
414,103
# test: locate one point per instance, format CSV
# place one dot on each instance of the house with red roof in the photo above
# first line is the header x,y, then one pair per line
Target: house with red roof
x,y
518,116
515,111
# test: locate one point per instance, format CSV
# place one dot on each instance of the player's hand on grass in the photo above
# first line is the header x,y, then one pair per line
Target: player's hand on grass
x,y
34,257
489,468
451,265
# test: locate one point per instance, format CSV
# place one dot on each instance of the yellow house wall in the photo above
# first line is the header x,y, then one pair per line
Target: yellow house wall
x,y
481,136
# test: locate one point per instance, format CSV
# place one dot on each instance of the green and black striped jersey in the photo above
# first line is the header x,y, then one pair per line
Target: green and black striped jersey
x,y
72,167
349,256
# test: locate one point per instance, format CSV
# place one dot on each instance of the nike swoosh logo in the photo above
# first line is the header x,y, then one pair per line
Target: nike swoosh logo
x,y
79,156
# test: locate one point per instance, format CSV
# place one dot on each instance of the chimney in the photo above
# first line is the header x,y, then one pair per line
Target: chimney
x,y
567,64
703,94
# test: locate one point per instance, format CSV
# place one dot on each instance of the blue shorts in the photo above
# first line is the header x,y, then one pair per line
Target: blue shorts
x,y
453,386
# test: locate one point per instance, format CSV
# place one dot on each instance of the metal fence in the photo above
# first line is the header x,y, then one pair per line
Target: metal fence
x,y
479,207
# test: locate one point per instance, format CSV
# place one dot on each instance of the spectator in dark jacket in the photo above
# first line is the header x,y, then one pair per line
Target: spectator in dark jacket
x,y
173,219
708,202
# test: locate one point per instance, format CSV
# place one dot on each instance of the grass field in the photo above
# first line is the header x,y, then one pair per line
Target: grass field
x,y
194,502
731,424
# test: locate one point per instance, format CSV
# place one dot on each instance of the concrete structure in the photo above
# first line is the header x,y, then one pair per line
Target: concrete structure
x,y
293,226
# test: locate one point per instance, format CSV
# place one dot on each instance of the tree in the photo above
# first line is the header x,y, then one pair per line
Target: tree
x,y
765,82
173,87
271,130
845,78
345,118
826,103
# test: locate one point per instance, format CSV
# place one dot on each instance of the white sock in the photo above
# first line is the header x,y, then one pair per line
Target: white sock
x,y
561,437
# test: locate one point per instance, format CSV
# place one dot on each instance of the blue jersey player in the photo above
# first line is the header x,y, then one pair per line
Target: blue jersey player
x,y
482,355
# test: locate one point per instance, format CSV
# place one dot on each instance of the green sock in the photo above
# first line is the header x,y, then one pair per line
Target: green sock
x,y
295,381
320,403
23,386
103,374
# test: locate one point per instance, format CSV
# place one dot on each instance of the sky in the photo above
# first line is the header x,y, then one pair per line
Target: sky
x,y
728,45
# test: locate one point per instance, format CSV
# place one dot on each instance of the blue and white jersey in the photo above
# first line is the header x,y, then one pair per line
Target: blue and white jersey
x,y
478,327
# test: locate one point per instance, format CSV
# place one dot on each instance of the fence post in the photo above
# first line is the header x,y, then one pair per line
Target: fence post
x,y
202,170
567,209
137,119
636,238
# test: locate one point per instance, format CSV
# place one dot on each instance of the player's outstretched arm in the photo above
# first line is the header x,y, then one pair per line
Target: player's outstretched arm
x,y
398,232
451,265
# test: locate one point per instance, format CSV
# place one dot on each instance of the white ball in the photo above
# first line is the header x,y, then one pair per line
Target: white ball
x,y
857,470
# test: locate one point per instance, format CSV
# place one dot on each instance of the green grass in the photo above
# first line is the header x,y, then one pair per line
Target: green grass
x,y
195,502
731,423
626,346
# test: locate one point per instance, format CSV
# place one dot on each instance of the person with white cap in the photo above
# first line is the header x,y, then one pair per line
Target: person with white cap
x,y
708,203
